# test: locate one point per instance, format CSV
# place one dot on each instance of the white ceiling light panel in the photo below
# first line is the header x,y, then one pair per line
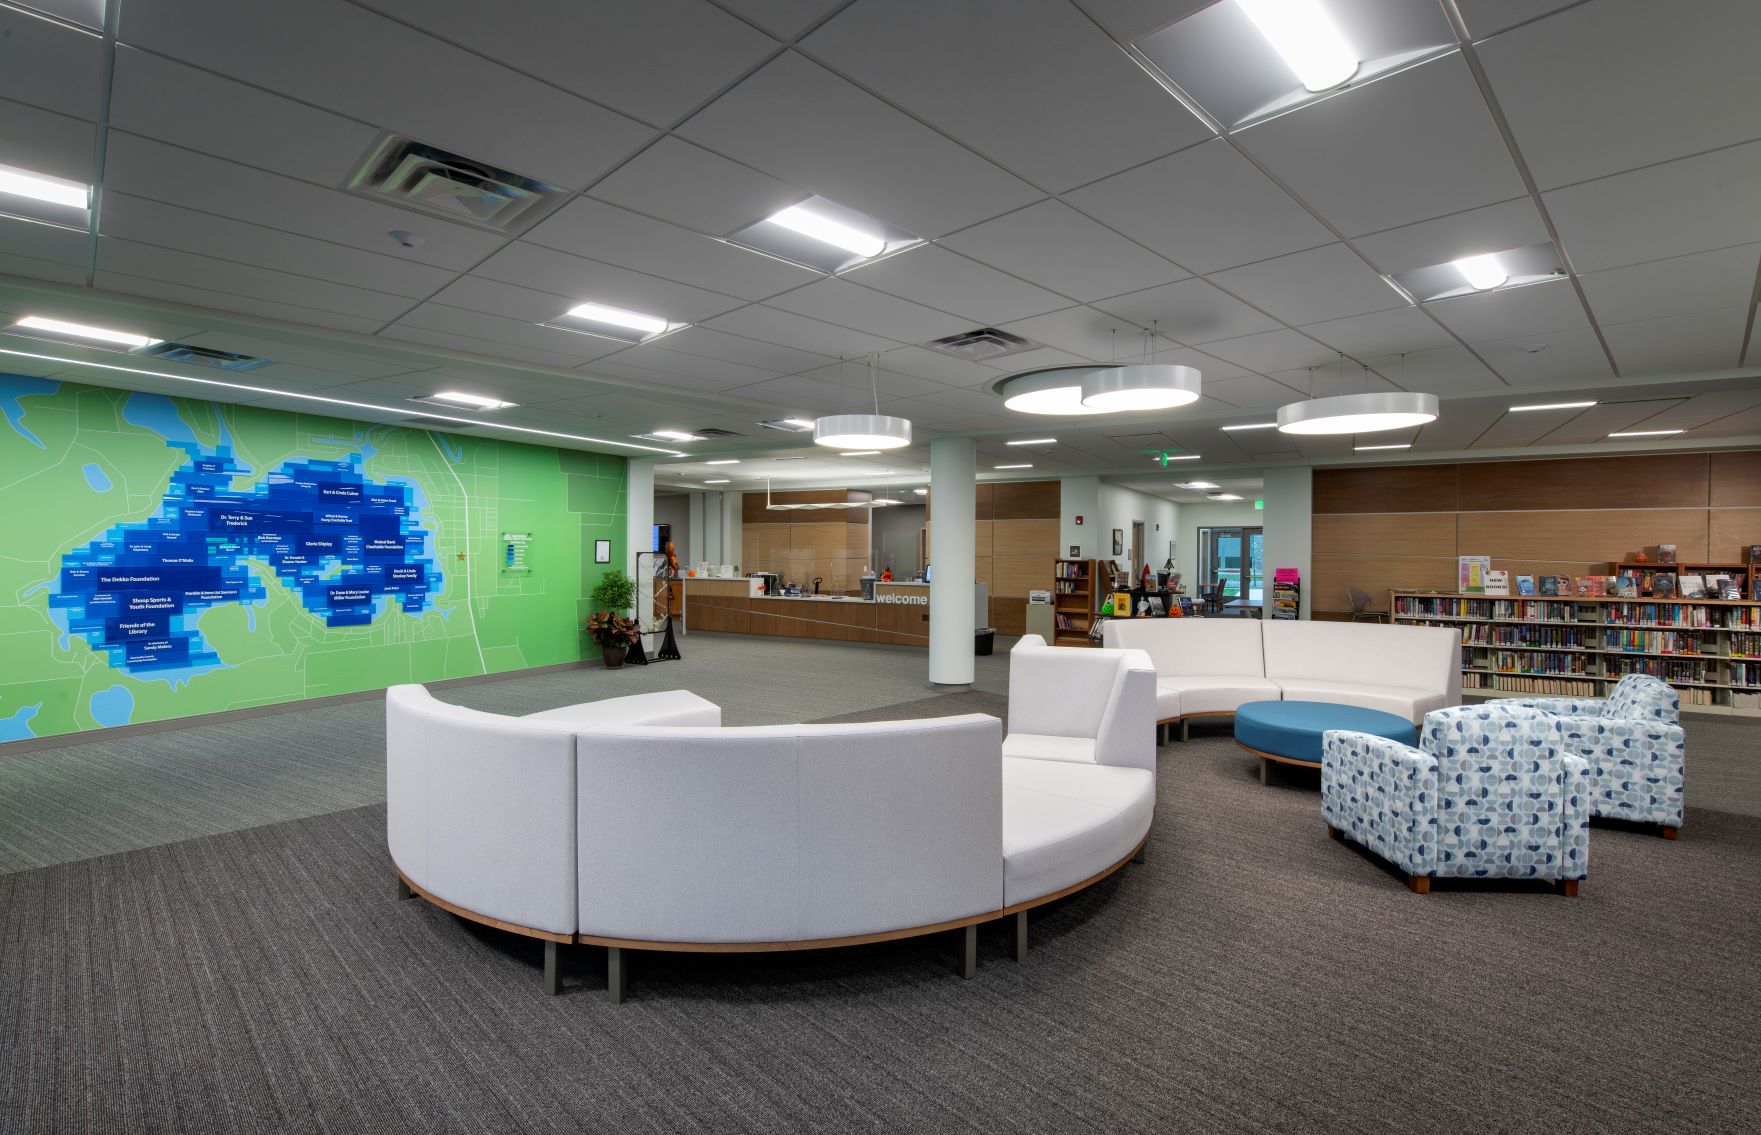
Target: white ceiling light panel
x,y
1480,271
823,235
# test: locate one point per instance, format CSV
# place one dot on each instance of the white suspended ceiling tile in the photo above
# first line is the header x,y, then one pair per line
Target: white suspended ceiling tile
x,y
1596,423
852,305
562,348
1083,332
785,328
232,278
1381,333
706,342
1032,84
1509,431
1205,208
149,222
57,271
654,61
44,142
380,72
853,377
605,232
1446,371
430,324
784,19
1704,409
714,371
1415,145
161,98
1677,286
652,376
87,13
43,242
1505,313
1055,246
1331,282
1692,205
1191,311
1489,17
51,65
1617,84
1675,344
159,172
689,186
1335,379
1252,392
580,280
1127,20
797,121
949,282
921,362
232,301
798,396
359,364
1745,423
1271,351
1565,357
1490,228
1043,357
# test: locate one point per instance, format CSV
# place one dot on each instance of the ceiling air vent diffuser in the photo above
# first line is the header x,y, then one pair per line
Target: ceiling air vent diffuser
x,y
206,357
982,344
426,178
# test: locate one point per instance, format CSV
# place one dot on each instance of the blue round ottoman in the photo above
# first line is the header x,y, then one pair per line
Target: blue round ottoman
x,y
1290,731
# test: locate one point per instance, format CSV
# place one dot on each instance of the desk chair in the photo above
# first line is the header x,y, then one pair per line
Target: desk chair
x,y
1360,606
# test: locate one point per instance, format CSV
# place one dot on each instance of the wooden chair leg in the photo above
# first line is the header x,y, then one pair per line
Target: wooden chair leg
x,y
1335,833
1420,884
1568,888
1670,832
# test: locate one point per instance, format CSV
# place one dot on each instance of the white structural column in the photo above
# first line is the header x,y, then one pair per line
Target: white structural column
x,y
1289,521
1081,497
953,487
639,506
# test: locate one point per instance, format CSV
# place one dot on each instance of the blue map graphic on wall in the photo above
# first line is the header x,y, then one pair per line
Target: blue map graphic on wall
x,y
341,542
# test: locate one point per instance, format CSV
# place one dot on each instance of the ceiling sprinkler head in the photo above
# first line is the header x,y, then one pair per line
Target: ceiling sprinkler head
x,y
406,238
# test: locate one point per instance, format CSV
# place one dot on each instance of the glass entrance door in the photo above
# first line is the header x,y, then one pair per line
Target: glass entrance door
x,y
1234,558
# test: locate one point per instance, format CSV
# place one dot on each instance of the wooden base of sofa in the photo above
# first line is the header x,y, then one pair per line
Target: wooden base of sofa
x,y
1185,719
1671,832
617,964
1266,760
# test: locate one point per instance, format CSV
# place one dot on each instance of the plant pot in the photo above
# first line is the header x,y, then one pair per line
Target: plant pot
x,y
614,656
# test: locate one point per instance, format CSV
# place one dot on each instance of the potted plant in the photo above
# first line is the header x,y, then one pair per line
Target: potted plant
x,y
609,628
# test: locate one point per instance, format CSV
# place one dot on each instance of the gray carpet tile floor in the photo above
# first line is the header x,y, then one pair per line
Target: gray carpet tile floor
x,y
1253,975
108,794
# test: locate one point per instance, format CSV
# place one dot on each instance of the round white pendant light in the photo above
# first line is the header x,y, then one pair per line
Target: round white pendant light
x,y
1364,413
1055,391
1147,386
862,431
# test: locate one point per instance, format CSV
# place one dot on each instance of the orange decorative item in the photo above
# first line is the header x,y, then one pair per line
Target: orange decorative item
x,y
1641,558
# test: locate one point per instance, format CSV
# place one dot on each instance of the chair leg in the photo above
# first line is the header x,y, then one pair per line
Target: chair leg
x,y
617,977
1142,853
1020,951
1184,734
1420,884
969,951
1568,888
553,968
403,889
1671,832
1265,771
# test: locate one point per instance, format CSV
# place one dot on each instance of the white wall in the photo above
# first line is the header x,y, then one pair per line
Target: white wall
x,y
1120,507
1289,496
676,511
1081,496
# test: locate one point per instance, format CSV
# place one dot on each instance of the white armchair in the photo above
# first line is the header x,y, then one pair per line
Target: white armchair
x,y
1076,704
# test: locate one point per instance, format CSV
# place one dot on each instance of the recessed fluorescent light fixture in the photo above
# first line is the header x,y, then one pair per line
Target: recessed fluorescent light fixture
x,y
1367,448
717,481
1552,406
788,425
1198,485
724,461
921,492
1483,272
1645,433
1011,466
81,334
1223,496
671,435
39,197
1304,35
1034,441
1164,458
1251,426
861,453
469,401
610,322
822,234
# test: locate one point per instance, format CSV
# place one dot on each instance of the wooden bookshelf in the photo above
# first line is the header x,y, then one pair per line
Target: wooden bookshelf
x,y
1709,650
1073,601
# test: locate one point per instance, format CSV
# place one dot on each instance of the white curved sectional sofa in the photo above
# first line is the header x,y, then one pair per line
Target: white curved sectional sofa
x,y
636,824
1209,667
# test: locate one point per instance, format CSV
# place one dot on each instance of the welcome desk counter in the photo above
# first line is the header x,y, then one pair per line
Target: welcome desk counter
x,y
898,613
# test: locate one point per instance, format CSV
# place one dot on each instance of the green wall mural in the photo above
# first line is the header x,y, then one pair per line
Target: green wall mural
x,y
165,557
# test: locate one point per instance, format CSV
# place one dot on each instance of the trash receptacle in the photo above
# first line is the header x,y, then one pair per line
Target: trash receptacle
x,y
985,638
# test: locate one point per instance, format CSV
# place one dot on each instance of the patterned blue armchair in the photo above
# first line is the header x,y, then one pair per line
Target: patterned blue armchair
x,y
1634,742
1488,794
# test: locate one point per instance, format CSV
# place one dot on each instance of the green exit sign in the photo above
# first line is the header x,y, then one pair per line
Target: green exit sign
x,y
1260,504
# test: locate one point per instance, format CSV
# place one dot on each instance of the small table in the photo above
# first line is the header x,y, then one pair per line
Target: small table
x,y
1246,606
1289,732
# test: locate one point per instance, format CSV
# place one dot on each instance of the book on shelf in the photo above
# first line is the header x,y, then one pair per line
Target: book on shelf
x,y
1472,573
1692,586
1525,585
1549,585
1666,553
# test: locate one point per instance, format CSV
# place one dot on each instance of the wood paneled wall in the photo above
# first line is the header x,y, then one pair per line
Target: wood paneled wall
x,y
1378,528
831,544
1015,544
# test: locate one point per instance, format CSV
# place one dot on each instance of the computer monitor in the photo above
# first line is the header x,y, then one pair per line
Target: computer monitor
x,y
662,534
